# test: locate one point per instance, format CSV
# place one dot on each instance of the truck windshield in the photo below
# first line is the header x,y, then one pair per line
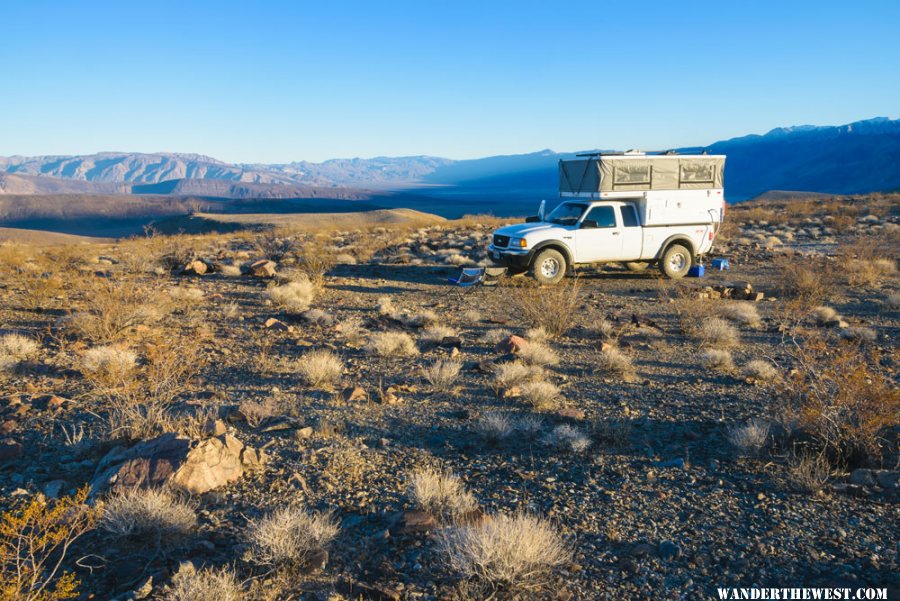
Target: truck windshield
x,y
566,214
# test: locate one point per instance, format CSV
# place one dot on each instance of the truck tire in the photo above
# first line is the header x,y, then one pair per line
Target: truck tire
x,y
549,266
637,266
675,262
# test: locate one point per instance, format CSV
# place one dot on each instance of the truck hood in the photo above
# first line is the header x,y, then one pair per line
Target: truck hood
x,y
522,230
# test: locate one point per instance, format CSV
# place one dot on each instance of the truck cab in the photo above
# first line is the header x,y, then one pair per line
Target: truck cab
x,y
638,227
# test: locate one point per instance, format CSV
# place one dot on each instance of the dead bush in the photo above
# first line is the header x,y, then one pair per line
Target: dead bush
x,y
538,354
807,279
509,375
141,513
320,369
108,366
441,494
809,472
495,427
207,584
742,313
717,333
614,362
541,395
391,344
751,438
294,297
15,348
516,551
568,439
717,360
442,374
436,333
114,308
761,370
550,307
290,537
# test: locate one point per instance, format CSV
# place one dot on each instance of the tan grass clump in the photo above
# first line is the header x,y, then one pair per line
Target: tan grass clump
x,y
293,297
809,472
550,307
148,512
614,362
441,494
207,584
742,313
761,371
509,375
436,333
538,354
717,333
506,551
824,315
542,395
391,344
441,374
290,537
717,360
15,348
567,438
495,427
751,438
320,369
115,309
109,366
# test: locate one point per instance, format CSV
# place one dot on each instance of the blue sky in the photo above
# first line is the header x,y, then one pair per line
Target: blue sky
x,y
282,81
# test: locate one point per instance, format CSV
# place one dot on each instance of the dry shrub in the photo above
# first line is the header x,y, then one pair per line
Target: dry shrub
x,y
316,260
495,427
537,334
41,289
761,371
116,308
15,348
516,551
347,464
839,395
567,438
320,369
751,438
550,307
892,301
494,336
509,375
290,537
742,313
274,245
806,279
208,584
717,333
391,344
148,512
108,366
860,334
293,297
717,360
34,542
442,374
255,412
870,261
441,494
809,472
824,315
538,354
436,333
352,330
186,295
612,361
542,395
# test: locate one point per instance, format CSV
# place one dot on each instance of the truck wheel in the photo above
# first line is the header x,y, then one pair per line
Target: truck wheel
x,y
675,262
637,266
549,266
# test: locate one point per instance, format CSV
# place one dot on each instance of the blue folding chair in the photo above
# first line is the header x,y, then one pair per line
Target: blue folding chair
x,y
470,277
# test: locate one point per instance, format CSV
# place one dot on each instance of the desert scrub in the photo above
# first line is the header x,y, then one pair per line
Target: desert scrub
x,y
538,354
391,344
742,313
207,584
290,537
495,427
293,297
35,538
436,333
761,370
15,348
516,551
717,360
139,513
613,362
808,280
320,369
114,309
750,438
441,494
108,366
551,307
568,439
717,333
541,395
510,375
442,374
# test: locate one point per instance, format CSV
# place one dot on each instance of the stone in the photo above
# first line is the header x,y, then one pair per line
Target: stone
x,y
355,394
413,522
862,477
302,433
10,450
511,344
53,488
263,268
214,427
196,267
276,325
8,427
888,479
668,550
571,413
194,466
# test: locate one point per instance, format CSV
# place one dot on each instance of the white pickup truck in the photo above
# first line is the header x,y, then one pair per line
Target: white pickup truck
x,y
628,208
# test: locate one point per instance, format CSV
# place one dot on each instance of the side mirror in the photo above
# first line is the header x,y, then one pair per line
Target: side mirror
x,y
533,219
541,210
589,224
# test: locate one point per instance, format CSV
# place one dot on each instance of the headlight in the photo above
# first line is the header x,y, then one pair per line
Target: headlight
x,y
518,242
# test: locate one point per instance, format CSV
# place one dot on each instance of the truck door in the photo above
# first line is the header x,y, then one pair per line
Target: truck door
x,y
599,236
632,233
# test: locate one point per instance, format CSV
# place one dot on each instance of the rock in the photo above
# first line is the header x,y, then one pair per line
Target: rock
x,y
143,591
53,488
10,450
642,550
668,550
276,325
263,269
196,467
355,394
413,522
888,479
302,433
195,268
862,477
451,342
511,344
8,427
676,463
571,413
214,427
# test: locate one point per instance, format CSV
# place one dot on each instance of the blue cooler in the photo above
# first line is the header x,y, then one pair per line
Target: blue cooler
x,y
697,271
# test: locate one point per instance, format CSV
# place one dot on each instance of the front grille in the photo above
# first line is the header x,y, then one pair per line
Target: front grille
x,y
501,241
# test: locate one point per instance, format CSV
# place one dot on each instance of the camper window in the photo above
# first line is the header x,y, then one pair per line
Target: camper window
x,y
697,173
630,175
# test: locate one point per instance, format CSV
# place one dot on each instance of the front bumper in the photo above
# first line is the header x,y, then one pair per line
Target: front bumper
x,y
510,257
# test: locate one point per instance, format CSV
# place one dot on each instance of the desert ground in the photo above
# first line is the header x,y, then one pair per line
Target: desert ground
x,y
311,411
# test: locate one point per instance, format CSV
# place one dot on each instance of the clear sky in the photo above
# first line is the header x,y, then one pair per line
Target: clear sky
x,y
281,81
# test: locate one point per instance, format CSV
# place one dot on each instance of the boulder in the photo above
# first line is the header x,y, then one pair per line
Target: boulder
x,y
196,267
193,466
263,269
511,344
355,394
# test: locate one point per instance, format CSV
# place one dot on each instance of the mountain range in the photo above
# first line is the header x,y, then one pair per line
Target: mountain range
x,y
855,158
